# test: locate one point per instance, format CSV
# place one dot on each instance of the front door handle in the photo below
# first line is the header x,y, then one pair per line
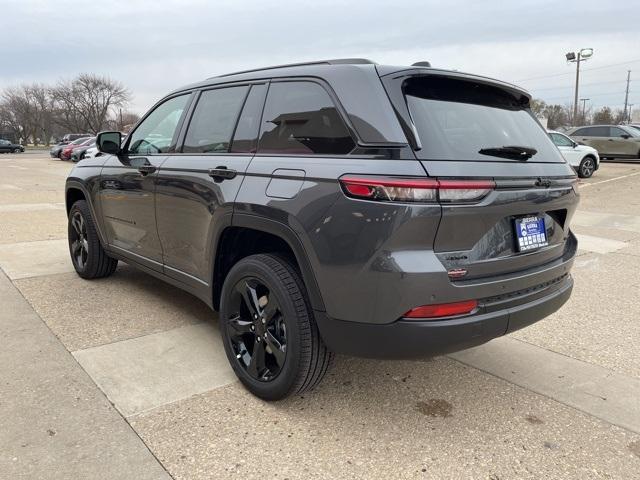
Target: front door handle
x,y
147,169
222,173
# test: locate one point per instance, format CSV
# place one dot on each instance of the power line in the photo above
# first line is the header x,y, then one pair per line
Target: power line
x,y
571,73
582,85
590,94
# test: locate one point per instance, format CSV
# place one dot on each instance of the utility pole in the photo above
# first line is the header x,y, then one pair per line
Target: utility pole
x,y
626,96
582,55
584,101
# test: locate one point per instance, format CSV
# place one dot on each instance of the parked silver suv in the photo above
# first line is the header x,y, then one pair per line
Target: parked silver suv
x,y
611,141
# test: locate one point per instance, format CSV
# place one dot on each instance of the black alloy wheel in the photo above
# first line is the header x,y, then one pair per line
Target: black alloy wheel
x,y
268,329
79,244
257,329
87,255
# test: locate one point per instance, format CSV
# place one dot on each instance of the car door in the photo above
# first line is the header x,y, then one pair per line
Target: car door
x,y
196,188
621,145
128,183
4,146
596,137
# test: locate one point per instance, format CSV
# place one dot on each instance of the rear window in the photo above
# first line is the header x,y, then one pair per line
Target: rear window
x,y
456,119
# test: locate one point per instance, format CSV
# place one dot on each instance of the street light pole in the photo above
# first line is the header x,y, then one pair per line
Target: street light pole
x,y
582,55
575,101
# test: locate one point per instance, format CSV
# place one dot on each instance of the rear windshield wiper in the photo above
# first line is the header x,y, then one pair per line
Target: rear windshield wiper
x,y
515,152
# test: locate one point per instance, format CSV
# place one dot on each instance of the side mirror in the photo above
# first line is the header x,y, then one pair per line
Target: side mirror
x,y
575,144
625,136
109,142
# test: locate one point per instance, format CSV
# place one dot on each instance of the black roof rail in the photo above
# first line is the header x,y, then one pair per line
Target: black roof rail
x,y
336,61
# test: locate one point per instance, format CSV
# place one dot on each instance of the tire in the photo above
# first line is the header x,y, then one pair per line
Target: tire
x,y
264,309
587,167
16,150
87,255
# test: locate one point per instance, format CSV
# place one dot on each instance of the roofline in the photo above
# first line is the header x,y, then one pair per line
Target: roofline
x,y
336,61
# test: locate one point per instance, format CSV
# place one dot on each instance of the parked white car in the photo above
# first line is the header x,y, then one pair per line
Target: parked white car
x,y
91,152
584,159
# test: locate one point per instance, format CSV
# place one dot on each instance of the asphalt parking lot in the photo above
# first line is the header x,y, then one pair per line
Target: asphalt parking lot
x,y
126,377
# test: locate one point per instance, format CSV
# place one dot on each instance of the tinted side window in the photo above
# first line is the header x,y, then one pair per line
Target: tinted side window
x,y
300,118
155,133
245,140
617,132
214,119
599,132
583,132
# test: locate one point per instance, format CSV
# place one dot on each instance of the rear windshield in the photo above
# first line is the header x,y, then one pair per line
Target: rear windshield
x,y
456,119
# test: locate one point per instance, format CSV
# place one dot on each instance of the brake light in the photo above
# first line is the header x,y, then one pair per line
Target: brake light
x,y
442,309
423,190
391,189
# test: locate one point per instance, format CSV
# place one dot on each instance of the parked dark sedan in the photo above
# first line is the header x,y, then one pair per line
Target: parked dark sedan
x,y
56,150
7,147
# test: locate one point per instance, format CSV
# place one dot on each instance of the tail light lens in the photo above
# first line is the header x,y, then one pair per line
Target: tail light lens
x,y
391,189
421,190
442,310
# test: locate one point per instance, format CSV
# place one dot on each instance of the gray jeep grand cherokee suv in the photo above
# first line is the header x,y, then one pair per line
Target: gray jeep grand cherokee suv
x,y
336,206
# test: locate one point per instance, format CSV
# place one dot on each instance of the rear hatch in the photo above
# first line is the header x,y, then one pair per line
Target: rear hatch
x,y
471,128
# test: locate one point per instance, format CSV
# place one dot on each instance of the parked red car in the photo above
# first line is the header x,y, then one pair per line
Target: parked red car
x,y
68,149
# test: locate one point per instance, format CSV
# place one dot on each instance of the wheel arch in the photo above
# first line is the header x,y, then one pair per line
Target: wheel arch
x,y
75,191
250,234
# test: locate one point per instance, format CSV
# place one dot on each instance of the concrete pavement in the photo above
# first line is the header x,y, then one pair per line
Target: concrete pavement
x,y
55,422
556,400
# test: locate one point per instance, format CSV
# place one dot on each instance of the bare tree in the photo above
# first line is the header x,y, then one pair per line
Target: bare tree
x,y
538,106
84,103
18,112
557,116
122,121
603,116
28,112
43,113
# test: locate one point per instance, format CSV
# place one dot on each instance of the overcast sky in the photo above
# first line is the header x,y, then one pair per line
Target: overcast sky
x,y
156,46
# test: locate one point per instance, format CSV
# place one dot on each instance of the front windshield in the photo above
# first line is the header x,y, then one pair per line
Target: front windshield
x,y
632,130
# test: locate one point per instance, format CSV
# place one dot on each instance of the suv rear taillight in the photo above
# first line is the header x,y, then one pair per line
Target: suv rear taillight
x,y
421,190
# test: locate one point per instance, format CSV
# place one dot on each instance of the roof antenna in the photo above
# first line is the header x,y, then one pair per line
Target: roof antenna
x,y
421,64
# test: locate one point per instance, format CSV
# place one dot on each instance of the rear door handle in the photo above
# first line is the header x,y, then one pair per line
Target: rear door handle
x,y
222,173
147,169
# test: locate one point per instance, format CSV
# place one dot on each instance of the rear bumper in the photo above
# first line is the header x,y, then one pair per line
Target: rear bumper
x,y
415,338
